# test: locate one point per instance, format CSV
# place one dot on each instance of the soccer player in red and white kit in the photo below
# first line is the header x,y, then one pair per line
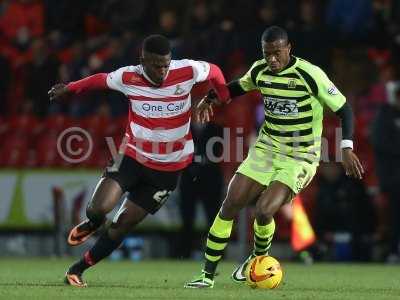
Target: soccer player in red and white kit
x,y
159,143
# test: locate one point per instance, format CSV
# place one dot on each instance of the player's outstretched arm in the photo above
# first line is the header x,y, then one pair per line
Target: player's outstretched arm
x,y
58,91
328,94
350,161
94,82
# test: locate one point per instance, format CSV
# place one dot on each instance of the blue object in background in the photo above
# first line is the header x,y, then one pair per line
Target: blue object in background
x,y
134,247
342,246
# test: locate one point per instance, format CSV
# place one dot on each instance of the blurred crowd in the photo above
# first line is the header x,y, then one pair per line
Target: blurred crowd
x,y
357,43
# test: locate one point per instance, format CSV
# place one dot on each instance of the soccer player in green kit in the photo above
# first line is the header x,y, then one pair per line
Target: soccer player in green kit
x,y
286,154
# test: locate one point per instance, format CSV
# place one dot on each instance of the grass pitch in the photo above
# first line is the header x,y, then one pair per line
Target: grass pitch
x,y
43,279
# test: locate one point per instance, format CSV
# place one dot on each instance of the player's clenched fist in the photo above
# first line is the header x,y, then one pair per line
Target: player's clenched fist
x,y
58,91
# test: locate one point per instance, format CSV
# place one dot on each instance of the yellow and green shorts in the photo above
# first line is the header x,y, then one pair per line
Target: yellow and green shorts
x,y
265,166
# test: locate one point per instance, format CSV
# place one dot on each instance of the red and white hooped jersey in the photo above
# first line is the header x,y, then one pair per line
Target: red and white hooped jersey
x,y
158,132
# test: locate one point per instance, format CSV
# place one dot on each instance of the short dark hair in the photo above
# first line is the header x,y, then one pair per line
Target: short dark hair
x,y
274,33
157,44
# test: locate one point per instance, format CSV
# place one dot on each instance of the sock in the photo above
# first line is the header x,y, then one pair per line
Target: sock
x,y
217,240
101,249
263,235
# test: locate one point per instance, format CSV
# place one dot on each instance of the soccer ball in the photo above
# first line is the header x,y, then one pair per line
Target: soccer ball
x,y
263,272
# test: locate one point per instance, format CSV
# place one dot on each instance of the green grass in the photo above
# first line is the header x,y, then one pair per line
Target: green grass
x,y
42,279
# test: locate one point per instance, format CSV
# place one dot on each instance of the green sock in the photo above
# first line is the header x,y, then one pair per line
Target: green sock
x,y
217,240
263,235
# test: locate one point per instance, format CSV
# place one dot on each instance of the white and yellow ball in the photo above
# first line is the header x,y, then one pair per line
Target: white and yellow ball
x,y
263,272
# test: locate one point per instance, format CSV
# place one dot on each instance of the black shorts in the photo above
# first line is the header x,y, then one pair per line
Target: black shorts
x,y
147,187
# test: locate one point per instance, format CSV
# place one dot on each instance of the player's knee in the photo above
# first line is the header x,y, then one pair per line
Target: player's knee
x,y
233,203
264,212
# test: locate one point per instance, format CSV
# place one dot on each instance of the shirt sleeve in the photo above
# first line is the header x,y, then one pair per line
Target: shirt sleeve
x,y
201,69
328,93
246,82
114,80
93,82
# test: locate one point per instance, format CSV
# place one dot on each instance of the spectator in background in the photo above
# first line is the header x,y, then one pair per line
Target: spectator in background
x,y
117,56
169,27
201,182
377,92
21,21
266,15
386,143
42,72
65,20
199,32
350,20
73,68
124,14
308,31
343,215
201,19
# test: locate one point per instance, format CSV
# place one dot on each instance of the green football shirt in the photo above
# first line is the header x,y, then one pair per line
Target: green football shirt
x,y
293,100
